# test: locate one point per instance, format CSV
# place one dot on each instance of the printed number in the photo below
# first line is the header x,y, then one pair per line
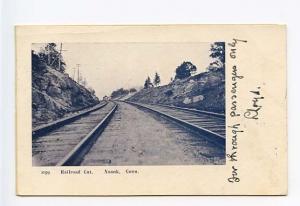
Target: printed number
x,y
45,172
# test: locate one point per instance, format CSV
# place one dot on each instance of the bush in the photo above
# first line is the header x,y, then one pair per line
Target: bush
x,y
185,70
169,93
132,90
119,92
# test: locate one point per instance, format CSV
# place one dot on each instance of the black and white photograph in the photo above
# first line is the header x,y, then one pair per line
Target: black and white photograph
x,y
128,103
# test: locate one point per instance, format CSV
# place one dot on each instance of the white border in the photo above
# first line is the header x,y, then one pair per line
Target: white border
x,y
144,12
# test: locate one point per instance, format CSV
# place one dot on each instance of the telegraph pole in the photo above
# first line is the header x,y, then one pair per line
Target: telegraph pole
x,y
74,70
78,65
59,57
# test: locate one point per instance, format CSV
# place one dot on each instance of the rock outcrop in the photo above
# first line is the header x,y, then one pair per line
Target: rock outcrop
x,y
205,91
55,94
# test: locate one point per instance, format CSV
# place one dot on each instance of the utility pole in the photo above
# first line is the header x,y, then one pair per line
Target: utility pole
x,y
74,70
59,57
78,65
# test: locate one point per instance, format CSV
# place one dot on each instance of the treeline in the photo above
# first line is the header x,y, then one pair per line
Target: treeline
x,y
187,69
122,92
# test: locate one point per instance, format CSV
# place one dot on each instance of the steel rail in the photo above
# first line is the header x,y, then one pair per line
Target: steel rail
x,y
44,129
75,156
219,115
209,135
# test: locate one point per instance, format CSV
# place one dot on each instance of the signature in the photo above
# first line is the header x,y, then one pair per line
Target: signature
x,y
253,112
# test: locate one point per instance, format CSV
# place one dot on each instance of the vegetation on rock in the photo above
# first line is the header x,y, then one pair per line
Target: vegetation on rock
x,y
119,92
123,93
218,54
148,83
156,80
185,70
204,91
54,93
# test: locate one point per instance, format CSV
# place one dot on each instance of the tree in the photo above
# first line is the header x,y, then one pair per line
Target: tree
x,y
52,57
119,92
131,90
36,63
156,81
185,70
217,52
148,83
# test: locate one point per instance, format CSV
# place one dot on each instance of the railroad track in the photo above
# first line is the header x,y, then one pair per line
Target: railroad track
x,y
66,142
211,125
222,116
44,129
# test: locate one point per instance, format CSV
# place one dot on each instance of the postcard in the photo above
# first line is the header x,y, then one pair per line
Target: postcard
x,y
151,110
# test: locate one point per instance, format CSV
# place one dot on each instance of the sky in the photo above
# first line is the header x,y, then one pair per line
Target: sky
x,y
110,66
